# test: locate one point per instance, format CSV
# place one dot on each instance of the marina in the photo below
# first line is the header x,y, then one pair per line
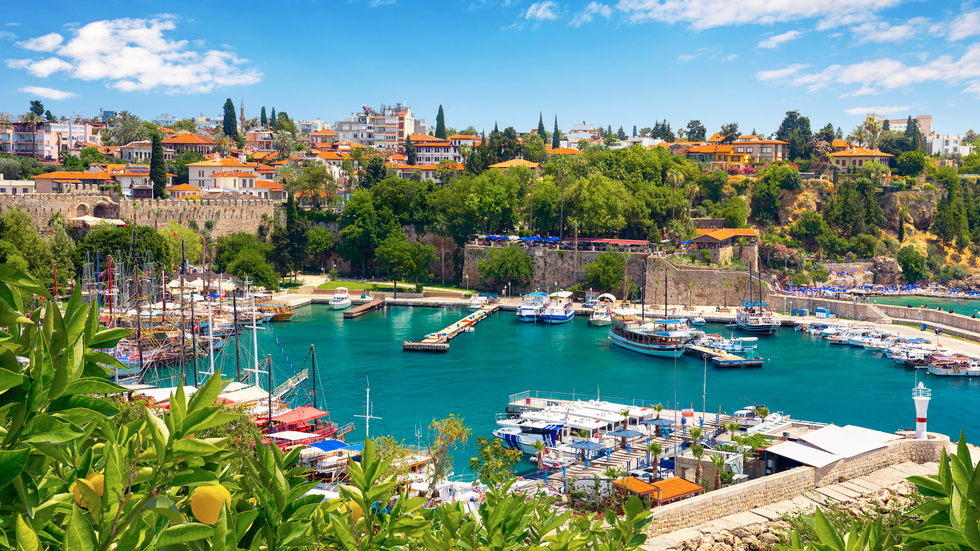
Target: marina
x,y
439,342
376,303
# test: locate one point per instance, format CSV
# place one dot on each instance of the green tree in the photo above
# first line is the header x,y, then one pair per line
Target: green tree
x,y
37,107
606,272
285,124
282,142
62,255
494,462
32,120
181,161
447,434
911,163
441,124
17,228
49,117
597,204
913,264
556,135
808,229
362,229
411,153
137,241
229,124
735,212
783,176
273,119
765,199
621,134
229,247
541,130
175,234
729,132
158,170
263,120
322,245
401,257
253,263
902,213
696,132
534,150
506,265
11,257
375,170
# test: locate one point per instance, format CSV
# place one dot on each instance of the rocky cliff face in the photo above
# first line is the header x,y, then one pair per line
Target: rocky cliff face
x,y
810,197
886,270
920,206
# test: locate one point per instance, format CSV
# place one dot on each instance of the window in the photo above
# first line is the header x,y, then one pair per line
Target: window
x,y
748,149
740,149
3,190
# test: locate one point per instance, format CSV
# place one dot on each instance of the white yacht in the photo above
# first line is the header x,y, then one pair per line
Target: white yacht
x,y
341,299
560,308
754,317
663,338
478,302
600,310
532,306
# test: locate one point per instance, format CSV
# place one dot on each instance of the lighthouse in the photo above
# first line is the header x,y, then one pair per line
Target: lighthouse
x,y
921,397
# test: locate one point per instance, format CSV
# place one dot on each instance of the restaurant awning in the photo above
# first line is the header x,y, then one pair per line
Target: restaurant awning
x,y
329,445
804,454
636,486
676,488
300,415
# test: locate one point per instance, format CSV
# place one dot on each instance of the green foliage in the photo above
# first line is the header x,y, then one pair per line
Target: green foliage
x,y
229,124
404,258
808,229
765,199
175,235
606,272
252,262
782,176
62,255
913,264
229,247
911,163
696,132
322,243
158,169
495,462
795,129
106,240
505,265
952,272
290,242
17,228
441,124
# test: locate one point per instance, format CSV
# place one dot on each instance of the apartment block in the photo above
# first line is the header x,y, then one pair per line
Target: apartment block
x,y
384,129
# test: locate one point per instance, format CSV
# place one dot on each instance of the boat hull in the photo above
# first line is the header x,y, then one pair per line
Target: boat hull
x,y
761,329
600,322
527,318
649,350
342,305
283,316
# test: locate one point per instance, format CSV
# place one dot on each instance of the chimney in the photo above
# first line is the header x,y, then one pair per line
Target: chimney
x,y
921,396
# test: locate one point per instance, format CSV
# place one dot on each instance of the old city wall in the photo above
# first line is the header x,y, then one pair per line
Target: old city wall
x,y
229,216
702,285
789,484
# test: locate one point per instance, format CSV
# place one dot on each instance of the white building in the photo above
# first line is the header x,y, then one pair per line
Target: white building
x,y
142,151
17,187
937,145
384,129
899,125
583,131
200,174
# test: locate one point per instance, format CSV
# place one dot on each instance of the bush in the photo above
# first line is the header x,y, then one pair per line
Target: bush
x,y
953,272
913,264
911,163
606,272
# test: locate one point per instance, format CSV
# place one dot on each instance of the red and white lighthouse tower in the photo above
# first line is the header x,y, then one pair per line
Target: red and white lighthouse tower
x,y
921,396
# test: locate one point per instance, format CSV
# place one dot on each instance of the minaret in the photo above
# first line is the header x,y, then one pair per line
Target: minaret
x,y
921,396
242,105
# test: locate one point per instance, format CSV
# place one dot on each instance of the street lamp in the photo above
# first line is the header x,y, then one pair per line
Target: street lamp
x,y
467,283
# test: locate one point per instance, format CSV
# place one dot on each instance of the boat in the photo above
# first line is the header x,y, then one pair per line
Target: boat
x,y
531,307
341,299
735,345
697,321
600,310
478,302
953,366
278,311
560,308
754,317
661,338
522,434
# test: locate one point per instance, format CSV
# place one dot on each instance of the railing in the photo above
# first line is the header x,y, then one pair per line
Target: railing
x,y
524,397
292,382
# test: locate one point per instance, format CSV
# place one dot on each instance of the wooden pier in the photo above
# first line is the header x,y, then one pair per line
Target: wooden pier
x,y
439,342
723,359
377,303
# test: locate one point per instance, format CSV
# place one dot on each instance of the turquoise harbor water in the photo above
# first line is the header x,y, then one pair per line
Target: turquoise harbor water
x,y
963,306
803,377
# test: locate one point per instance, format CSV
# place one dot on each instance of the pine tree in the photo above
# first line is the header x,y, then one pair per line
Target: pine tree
x,y
621,134
441,124
885,126
555,141
263,120
158,171
840,135
541,125
909,129
901,225
410,152
49,116
230,125
609,130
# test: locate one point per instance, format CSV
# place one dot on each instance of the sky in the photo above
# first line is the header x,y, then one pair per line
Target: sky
x,y
622,63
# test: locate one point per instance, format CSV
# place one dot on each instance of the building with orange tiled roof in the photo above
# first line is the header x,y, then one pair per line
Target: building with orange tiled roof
x,y
716,138
719,242
463,139
432,150
718,156
64,181
259,139
182,190
565,151
199,174
762,150
189,142
840,145
427,171
855,157
535,167
267,189
142,151
234,180
325,136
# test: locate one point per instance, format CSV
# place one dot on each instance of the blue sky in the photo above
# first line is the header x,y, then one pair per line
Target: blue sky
x,y
623,62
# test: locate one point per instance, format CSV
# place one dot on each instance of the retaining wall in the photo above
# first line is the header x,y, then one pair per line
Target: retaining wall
x,y
789,484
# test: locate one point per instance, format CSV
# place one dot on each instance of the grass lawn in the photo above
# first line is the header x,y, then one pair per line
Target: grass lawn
x,y
387,287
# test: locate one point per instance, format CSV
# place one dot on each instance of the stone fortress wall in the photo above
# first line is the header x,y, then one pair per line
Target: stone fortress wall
x,y
229,215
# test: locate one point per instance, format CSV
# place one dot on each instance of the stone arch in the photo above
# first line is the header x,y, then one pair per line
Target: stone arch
x,y
82,209
103,210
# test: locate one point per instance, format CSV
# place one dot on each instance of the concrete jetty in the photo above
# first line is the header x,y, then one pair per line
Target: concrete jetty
x,y
439,342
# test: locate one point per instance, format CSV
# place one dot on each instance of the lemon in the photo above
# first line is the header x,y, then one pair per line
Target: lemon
x,y
206,503
98,482
354,508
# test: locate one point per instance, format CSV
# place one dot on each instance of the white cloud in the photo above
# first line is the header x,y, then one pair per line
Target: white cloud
x,y
967,24
517,26
6,35
889,74
12,24
46,43
706,14
881,31
863,91
47,93
593,9
881,110
540,11
684,58
774,41
134,55
777,74
730,57
377,3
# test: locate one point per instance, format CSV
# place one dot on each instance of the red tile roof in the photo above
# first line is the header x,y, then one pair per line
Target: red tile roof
x,y
189,139
233,174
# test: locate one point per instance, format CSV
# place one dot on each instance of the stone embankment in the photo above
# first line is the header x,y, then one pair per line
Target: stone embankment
x,y
765,527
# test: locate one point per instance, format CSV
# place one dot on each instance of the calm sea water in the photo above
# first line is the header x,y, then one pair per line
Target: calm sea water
x,y
964,306
803,377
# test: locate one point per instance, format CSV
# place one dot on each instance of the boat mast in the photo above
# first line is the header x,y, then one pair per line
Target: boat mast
x,y
367,413
313,356
238,359
666,273
255,342
194,339
269,378
210,338
183,325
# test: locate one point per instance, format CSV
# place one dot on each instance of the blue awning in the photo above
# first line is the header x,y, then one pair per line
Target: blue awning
x,y
356,447
586,446
329,445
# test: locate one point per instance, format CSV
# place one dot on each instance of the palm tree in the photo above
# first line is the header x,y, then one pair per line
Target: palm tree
x,y
698,451
655,449
858,135
221,144
762,411
696,435
732,428
658,408
674,176
32,119
282,142
539,446
128,128
288,175
718,462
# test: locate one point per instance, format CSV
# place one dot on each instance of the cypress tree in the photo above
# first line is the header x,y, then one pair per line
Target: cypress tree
x,y
541,125
609,130
272,119
441,124
901,225
411,153
840,135
230,125
158,171
885,125
263,120
555,142
909,129
634,130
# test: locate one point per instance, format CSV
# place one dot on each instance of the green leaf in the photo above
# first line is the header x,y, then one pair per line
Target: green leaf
x,y
26,538
108,338
82,401
22,281
11,464
826,532
79,533
216,420
962,450
91,385
91,500
162,505
939,534
9,379
207,394
184,533
928,483
194,446
193,476
222,534
160,433
244,522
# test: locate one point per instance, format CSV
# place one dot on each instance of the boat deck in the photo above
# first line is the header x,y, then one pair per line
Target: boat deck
x,y
439,342
724,359
376,304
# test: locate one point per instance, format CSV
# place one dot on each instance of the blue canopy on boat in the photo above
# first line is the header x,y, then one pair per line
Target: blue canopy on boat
x,y
687,242
586,446
329,445
624,433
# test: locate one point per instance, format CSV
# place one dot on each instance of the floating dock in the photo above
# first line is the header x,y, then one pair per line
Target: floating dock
x,y
723,359
376,304
439,342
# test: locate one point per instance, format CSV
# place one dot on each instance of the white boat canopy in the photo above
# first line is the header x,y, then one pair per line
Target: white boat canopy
x,y
606,296
803,453
291,435
163,394
248,394
561,294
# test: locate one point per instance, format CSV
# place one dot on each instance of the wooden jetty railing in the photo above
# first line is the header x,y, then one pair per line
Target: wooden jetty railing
x,y
439,342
